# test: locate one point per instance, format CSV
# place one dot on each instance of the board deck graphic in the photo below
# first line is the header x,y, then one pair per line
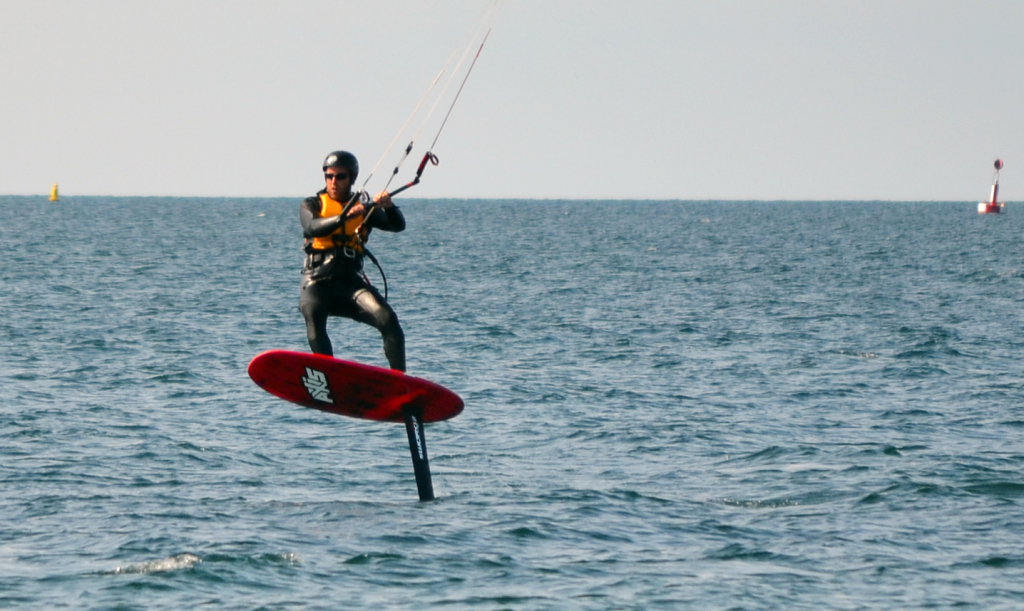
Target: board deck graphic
x,y
351,389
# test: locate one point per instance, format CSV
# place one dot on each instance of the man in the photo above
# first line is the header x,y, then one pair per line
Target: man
x,y
335,226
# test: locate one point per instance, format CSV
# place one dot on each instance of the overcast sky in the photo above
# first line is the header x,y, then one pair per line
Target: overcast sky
x,y
862,99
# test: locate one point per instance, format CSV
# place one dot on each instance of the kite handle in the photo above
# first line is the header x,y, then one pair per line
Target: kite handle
x,y
428,156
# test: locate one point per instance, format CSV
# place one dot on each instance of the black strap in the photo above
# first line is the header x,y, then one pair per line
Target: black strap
x,y
369,254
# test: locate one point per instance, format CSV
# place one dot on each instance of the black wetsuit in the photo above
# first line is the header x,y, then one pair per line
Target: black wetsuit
x,y
333,283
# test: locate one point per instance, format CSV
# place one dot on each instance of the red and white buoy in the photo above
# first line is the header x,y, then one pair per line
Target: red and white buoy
x,y
992,206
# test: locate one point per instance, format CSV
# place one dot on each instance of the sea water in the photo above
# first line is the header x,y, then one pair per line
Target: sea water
x,y
715,405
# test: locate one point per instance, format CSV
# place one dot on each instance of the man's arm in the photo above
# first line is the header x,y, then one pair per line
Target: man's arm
x,y
386,216
313,225
387,219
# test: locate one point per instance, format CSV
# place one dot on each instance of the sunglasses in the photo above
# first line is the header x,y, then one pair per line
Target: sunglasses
x,y
330,176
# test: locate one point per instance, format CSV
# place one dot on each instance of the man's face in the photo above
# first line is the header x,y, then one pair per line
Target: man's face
x,y
338,183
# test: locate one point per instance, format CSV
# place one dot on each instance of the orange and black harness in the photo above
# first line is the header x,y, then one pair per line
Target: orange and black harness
x,y
348,240
351,236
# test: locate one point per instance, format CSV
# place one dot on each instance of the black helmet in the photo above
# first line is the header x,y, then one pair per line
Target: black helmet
x,y
343,159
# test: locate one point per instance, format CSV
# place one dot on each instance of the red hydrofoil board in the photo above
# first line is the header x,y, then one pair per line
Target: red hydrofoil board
x,y
350,389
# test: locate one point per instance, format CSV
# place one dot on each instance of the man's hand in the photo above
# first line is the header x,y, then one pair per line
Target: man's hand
x,y
383,199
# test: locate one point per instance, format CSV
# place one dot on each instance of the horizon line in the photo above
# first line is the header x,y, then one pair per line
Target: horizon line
x,y
46,197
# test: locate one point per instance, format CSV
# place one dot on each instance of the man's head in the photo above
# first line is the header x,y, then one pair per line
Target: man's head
x,y
340,170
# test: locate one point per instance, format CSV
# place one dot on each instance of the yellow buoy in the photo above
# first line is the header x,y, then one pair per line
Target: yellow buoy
x,y
53,193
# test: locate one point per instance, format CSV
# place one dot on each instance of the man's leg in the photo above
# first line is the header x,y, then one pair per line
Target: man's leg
x,y
374,311
313,305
